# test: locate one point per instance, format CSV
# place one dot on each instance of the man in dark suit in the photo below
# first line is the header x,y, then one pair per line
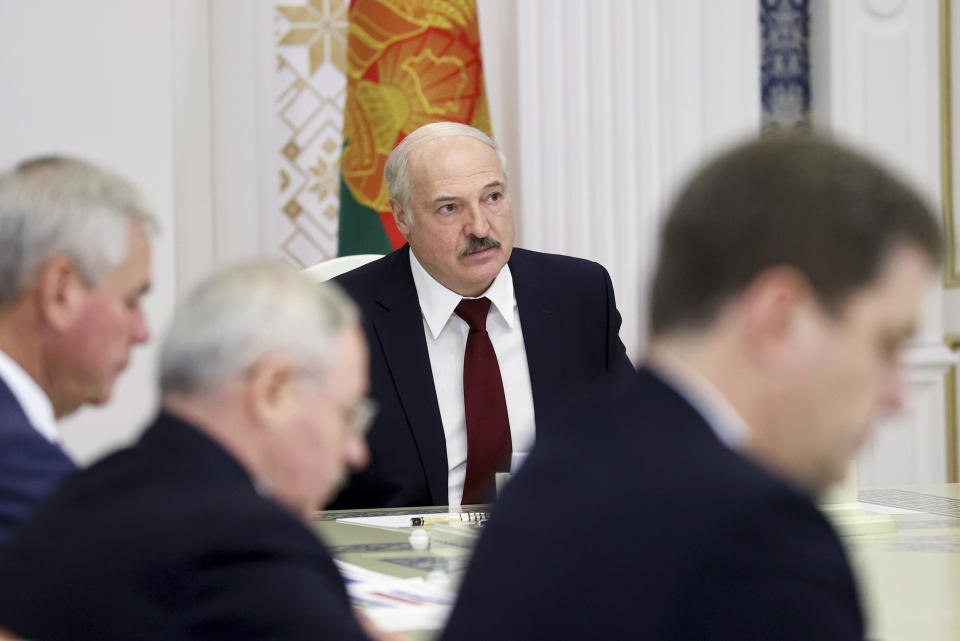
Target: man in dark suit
x,y
790,274
200,530
548,324
75,261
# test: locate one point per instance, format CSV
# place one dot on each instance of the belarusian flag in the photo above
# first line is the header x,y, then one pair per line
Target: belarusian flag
x,y
408,63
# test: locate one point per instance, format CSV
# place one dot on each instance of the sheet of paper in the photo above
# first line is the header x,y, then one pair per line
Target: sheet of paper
x,y
404,619
398,604
403,520
390,521
886,509
353,573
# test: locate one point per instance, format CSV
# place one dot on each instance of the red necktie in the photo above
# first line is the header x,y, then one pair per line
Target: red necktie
x,y
488,426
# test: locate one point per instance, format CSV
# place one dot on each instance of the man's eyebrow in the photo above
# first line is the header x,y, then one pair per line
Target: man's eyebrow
x,y
447,199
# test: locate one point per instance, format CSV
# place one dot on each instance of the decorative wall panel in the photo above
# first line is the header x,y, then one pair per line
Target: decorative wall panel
x,y
785,66
310,87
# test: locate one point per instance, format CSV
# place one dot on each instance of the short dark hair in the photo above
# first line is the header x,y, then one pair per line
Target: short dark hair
x,y
802,202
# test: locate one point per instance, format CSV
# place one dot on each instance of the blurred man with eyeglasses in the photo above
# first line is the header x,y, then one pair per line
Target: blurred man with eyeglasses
x,y
200,530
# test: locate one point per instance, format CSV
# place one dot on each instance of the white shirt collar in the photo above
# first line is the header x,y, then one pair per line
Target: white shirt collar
x,y
437,302
33,400
722,417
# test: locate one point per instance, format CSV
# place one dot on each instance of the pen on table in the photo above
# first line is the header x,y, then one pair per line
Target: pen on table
x,y
463,517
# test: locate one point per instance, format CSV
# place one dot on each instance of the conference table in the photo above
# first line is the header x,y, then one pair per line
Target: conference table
x,y
389,551
909,579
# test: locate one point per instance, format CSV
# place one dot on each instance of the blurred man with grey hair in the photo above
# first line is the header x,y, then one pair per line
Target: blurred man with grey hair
x,y
473,340
74,265
200,530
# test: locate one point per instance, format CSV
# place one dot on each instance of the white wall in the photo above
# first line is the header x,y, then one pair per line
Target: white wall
x,y
875,67
224,170
171,94
603,108
94,78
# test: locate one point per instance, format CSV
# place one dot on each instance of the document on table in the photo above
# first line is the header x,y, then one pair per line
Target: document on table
x,y
886,509
398,604
394,521
389,521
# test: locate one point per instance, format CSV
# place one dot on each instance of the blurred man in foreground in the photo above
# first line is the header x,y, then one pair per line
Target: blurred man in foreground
x,y
74,264
199,530
791,273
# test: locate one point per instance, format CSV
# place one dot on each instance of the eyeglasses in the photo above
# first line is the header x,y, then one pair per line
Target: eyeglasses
x,y
362,415
359,416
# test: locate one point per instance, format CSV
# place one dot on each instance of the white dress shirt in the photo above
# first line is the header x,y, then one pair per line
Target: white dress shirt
x,y
446,335
33,400
722,417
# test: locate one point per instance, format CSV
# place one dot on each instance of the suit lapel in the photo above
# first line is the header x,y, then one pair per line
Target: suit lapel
x,y
542,336
12,414
400,332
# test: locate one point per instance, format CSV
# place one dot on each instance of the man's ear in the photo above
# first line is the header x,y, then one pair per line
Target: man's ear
x,y
60,293
270,392
776,307
401,218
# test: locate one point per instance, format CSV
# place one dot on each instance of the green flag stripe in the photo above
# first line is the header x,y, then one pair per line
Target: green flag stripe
x,y
361,231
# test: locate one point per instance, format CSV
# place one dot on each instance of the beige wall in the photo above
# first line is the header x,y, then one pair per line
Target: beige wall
x,y
94,78
602,108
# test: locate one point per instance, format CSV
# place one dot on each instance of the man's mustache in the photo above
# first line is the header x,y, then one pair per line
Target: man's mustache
x,y
478,244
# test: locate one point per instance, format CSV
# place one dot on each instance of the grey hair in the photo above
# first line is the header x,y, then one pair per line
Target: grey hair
x,y
244,313
60,206
395,171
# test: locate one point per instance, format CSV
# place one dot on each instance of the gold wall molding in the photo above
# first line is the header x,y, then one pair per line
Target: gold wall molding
x,y
952,341
951,277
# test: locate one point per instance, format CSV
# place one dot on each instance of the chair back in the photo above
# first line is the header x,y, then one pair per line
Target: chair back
x,y
335,266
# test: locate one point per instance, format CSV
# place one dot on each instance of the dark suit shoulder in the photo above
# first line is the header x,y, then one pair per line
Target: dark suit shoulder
x,y
634,516
778,555
545,269
558,265
780,521
644,427
365,279
211,492
195,551
30,465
